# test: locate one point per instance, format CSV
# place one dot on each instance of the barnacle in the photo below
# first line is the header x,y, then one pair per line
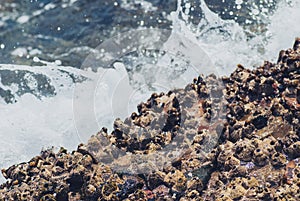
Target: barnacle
x,y
251,152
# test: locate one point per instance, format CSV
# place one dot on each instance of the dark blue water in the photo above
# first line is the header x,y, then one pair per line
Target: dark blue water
x,y
68,30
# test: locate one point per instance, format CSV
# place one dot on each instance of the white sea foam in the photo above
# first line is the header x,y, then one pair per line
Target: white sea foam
x,y
23,19
283,28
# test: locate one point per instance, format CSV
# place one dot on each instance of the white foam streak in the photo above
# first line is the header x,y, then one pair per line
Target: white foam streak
x,y
284,27
32,124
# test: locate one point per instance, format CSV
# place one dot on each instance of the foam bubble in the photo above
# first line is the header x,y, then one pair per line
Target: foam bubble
x,y
23,19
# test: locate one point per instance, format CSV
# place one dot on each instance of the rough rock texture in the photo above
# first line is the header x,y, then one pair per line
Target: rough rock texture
x,y
259,156
251,151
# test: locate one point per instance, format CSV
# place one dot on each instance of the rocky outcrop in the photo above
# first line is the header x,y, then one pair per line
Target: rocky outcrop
x,y
238,139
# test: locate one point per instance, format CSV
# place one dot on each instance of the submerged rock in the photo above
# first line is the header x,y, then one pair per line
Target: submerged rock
x,y
243,147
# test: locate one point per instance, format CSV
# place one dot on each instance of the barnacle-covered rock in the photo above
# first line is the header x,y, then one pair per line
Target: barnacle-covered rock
x,y
139,195
193,195
244,150
48,197
223,197
231,163
236,190
156,179
130,185
109,190
247,149
162,192
176,180
225,151
195,184
278,159
294,150
260,157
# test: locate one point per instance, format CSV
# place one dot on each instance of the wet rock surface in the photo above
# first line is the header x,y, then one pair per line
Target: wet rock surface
x,y
249,152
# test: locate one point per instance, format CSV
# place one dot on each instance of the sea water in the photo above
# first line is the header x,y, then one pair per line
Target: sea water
x,y
55,105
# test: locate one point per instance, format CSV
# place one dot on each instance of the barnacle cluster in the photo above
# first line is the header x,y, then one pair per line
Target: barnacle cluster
x,y
259,156
239,136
